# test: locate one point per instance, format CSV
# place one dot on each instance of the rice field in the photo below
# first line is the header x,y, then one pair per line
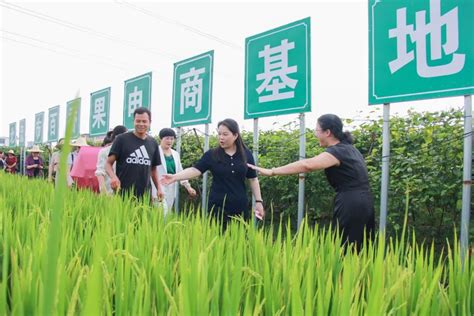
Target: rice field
x,y
68,253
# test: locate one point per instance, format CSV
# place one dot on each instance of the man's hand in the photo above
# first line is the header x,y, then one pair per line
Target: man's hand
x,y
160,194
115,183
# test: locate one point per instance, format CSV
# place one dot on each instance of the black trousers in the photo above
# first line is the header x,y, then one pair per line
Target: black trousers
x,y
354,215
224,216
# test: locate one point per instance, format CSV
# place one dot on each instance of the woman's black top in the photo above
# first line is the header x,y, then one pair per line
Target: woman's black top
x,y
228,189
352,173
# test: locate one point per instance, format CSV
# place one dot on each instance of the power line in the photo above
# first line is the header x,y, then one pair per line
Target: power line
x,y
87,30
72,52
82,29
184,26
59,52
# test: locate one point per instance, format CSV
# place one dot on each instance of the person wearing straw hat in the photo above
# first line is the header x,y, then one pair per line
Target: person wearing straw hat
x,y
10,162
76,144
83,169
34,163
54,162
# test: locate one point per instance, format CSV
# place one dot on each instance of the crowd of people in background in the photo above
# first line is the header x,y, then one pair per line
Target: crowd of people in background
x,y
133,164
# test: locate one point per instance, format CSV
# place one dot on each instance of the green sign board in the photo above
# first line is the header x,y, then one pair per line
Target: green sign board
x,y
53,124
76,130
278,71
137,93
420,49
192,90
99,112
39,121
21,132
12,135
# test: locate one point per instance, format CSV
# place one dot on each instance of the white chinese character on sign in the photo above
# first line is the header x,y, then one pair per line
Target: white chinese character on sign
x,y
99,112
38,127
275,76
191,90
418,34
12,133
75,129
134,100
52,124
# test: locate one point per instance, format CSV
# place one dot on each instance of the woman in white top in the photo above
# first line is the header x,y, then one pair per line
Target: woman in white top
x,y
54,162
100,173
170,164
76,145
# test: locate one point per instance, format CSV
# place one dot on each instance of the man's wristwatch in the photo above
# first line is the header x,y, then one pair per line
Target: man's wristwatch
x,y
259,201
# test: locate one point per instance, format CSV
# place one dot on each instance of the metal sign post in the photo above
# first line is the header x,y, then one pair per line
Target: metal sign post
x,y
385,166
301,176
178,149
255,153
467,177
204,177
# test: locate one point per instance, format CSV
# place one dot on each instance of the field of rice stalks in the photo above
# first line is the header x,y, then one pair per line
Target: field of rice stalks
x,y
117,257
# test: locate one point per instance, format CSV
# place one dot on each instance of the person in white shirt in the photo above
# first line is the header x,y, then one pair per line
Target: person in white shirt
x,y
54,162
100,173
170,164
76,145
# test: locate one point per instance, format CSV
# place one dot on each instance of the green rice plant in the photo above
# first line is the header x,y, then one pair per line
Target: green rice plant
x,y
52,258
120,257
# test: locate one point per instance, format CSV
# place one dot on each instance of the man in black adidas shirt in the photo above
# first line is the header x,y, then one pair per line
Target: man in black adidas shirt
x,y
137,157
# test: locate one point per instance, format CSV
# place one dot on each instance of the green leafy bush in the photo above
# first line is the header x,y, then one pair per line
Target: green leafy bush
x,y
426,160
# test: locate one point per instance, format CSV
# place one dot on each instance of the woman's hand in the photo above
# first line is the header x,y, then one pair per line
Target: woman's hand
x,y
168,179
191,191
261,171
259,211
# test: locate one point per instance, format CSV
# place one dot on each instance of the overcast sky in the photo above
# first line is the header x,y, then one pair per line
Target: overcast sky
x,y
52,50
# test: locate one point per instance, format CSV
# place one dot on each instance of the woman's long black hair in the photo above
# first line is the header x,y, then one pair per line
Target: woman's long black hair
x,y
233,126
333,123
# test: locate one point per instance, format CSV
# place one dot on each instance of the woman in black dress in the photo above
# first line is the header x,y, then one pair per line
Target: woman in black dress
x,y
346,172
228,165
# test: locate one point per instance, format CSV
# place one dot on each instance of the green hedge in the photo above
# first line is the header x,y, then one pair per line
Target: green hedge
x,y
426,161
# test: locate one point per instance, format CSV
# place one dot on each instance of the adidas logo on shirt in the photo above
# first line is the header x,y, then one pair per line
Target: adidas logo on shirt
x,y
139,157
